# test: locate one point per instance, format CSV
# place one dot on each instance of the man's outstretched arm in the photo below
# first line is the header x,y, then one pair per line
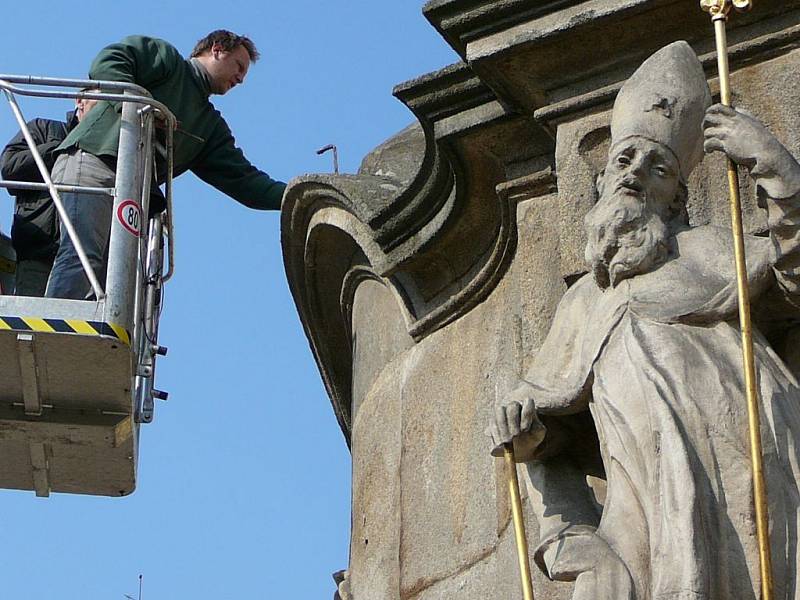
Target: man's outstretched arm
x,y
224,166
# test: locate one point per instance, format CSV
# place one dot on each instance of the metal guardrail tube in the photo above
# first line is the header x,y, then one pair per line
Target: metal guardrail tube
x,y
127,221
90,96
131,91
146,143
79,83
170,213
77,189
167,153
65,220
149,343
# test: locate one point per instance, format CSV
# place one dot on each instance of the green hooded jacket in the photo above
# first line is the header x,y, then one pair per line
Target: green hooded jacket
x,y
158,67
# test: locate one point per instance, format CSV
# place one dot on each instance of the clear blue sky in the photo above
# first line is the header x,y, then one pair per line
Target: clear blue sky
x,y
244,485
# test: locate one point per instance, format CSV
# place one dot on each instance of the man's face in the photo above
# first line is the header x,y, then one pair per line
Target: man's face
x,y
83,106
227,69
629,227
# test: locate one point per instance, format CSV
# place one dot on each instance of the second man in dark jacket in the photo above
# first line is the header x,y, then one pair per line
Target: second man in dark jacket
x,y
35,230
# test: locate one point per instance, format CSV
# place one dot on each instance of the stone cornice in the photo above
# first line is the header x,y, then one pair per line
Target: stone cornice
x,y
741,54
460,21
404,222
540,54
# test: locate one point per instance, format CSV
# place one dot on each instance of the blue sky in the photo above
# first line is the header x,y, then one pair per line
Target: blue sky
x,y
244,477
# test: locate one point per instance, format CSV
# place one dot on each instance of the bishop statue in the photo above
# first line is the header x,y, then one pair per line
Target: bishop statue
x,y
639,382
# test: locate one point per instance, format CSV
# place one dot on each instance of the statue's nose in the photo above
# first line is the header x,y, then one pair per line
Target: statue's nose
x,y
636,168
632,181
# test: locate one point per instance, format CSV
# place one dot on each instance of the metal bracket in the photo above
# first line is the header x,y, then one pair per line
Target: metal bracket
x,y
40,465
29,376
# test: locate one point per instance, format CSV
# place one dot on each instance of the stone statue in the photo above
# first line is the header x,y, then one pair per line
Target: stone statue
x,y
639,381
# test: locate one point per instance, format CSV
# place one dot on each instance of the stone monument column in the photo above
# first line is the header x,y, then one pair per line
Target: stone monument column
x,y
428,281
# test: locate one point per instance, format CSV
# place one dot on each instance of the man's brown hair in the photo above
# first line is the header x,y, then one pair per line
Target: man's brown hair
x,y
228,40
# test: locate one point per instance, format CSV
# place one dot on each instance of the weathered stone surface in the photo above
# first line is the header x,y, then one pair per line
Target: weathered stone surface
x,y
444,477
375,347
428,282
377,489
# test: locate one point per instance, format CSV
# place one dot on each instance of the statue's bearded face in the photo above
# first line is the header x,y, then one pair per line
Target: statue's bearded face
x,y
629,227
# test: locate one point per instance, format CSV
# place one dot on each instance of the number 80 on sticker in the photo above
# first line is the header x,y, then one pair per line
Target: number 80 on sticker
x,y
129,216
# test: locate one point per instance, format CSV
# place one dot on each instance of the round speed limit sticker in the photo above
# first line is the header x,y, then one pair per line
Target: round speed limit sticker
x,y
130,217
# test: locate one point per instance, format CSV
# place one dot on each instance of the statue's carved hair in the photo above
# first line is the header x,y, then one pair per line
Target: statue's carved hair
x,y
228,40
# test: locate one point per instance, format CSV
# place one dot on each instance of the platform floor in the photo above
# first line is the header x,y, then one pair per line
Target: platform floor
x,y
66,409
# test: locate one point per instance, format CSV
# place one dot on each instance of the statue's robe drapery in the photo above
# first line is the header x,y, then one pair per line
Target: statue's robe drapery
x,y
657,360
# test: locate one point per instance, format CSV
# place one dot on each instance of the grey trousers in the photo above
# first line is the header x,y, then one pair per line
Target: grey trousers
x,y
31,277
90,215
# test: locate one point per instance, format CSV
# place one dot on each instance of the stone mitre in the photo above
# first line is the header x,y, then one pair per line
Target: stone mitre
x,y
665,101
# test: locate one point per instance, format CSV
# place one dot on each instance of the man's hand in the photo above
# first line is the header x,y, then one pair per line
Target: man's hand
x,y
161,121
515,421
739,135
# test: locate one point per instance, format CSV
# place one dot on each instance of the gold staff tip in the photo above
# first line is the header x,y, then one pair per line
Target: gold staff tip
x,y
723,7
715,7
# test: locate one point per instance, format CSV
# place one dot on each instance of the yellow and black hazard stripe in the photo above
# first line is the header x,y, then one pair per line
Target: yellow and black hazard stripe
x,y
40,325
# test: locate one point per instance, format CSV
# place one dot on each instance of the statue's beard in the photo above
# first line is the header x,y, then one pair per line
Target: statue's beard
x,y
626,236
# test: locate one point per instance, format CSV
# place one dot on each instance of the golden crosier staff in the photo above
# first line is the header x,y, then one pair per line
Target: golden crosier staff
x,y
519,523
719,10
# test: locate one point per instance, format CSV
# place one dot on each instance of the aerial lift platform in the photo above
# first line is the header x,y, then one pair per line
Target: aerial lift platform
x,y
77,376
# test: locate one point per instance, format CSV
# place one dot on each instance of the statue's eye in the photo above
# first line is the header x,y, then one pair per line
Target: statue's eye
x,y
623,160
661,171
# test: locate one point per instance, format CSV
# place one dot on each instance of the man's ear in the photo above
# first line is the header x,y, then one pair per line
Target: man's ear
x,y
216,49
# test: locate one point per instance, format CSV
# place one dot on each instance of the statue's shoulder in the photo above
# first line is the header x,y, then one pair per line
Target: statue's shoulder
x,y
585,298
583,292
710,247
704,238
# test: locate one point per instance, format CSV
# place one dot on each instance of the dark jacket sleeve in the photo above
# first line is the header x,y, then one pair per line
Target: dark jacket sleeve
x,y
16,161
224,166
136,59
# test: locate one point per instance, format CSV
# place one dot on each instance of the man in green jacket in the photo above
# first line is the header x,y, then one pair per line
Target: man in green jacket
x,y
203,141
